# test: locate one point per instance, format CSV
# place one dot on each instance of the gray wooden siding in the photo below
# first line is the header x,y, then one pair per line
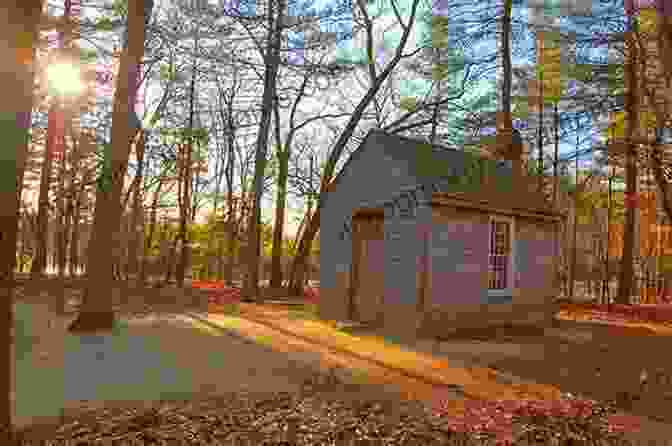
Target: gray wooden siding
x,y
458,259
387,172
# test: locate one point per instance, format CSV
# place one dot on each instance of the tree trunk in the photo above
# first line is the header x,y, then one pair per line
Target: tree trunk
x,y
575,227
18,32
74,205
96,312
505,126
61,223
625,283
181,238
298,273
250,289
220,260
298,263
572,271
74,240
231,219
146,252
21,257
280,202
170,261
136,235
40,263
226,270
188,148
278,230
164,254
230,260
218,224
184,217
24,152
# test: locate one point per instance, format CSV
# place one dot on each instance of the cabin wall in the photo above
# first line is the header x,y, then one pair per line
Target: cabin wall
x,y
537,257
372,177
380,174
458,292
405,256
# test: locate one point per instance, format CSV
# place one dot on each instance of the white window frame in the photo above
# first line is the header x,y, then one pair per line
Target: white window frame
x,y
511,276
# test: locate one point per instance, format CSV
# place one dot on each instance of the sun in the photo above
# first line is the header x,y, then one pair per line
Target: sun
x,y
65,79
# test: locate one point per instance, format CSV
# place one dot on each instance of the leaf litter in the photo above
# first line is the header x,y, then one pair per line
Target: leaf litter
x,y
324,413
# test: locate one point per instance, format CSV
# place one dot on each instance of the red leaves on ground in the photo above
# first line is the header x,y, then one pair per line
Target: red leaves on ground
x,y
222,294
311,294
624,313
498,418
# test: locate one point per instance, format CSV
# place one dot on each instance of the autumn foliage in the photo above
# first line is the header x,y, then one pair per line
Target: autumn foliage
x,y
661,314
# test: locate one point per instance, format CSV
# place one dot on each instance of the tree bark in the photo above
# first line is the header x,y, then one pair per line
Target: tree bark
x,y
61,233
61,223
40,263
280,203
136,236
186,188
231,210
506,59
74,204
250,289
96,312
170,260
19,21
575,227
298,273
625,283
298,263
24,152
74,239
21,256
146,252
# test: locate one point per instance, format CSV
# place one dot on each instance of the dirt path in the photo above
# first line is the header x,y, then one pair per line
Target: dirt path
x,y
564,358
528,366
144,360
347,369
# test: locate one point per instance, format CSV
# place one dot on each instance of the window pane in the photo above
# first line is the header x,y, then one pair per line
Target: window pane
x,y
499,254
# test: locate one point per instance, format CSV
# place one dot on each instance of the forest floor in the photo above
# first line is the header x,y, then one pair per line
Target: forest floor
x,y
142,364
602,362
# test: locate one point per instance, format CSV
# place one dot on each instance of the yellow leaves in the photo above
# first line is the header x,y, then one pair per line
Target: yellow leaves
x,y
649,20
439,32
619,123
408,103
549,65
439,71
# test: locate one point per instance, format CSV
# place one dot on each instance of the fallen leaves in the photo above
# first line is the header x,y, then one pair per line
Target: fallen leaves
x,y
220,294
661,314
321,418
510,420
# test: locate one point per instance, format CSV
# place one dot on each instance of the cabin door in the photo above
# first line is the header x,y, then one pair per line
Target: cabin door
x,y
368,268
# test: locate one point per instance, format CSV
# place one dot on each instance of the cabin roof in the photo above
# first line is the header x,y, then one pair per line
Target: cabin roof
x,y
524,198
